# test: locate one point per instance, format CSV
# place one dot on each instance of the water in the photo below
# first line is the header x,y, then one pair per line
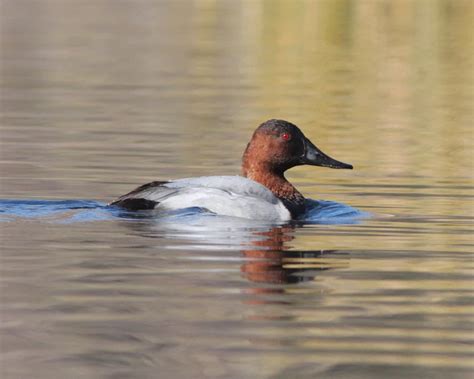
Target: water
x,y
101,96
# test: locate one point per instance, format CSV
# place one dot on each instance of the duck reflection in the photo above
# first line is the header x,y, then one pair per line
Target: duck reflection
x,y
279,264
268,258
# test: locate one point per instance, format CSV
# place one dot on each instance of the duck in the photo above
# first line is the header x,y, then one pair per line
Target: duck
x,y
260,192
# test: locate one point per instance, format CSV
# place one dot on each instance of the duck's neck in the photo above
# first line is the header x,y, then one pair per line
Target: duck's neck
x,y
276,182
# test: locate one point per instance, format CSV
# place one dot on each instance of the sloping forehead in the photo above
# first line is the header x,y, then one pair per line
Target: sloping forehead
x,y
278,127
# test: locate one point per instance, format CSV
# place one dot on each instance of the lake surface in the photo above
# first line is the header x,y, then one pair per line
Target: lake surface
x,y
101,96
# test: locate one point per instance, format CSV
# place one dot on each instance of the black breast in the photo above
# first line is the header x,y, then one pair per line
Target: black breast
x,y
296,206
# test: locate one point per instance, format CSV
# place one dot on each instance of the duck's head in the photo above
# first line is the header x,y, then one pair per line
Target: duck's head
x,y
279,145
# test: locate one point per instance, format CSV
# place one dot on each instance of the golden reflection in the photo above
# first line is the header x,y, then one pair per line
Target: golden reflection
x,y
394,94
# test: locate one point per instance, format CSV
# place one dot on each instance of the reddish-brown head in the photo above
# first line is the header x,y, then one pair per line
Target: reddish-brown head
x,y
279,145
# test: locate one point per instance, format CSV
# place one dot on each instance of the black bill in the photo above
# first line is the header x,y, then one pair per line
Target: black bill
x,y
315,157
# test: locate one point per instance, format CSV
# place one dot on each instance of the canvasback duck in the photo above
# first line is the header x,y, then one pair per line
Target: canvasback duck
x,y
261,193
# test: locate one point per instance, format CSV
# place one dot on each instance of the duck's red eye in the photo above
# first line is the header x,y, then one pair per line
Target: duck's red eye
x,y
286,136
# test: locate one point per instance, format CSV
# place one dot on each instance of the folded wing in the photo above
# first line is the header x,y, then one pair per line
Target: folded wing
x,y
224,195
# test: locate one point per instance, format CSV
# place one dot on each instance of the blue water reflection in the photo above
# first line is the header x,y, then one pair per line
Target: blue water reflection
x,y
67,211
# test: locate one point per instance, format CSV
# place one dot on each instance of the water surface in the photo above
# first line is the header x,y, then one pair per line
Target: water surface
x,y
101,96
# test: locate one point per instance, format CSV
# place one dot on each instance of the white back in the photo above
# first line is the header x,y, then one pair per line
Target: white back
x,y
224,195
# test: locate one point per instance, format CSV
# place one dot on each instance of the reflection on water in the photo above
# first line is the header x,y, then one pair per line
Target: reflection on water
x,y
266,259
101,96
